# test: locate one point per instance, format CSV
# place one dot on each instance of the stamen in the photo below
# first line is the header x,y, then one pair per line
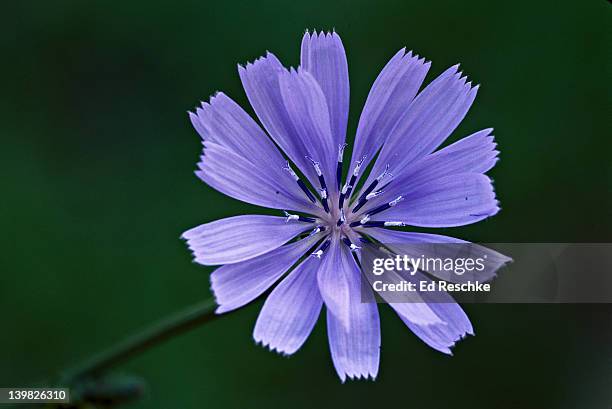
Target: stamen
x,y
339,166
300,183
291,217
316,165
318,229
384,174
288,169
325,205
323,190
395,224
323,194
346,189
297,217
363,201
342,218
385,206
322,249
378,224
364,195
358,166
341,151
396,200
374,194
350,244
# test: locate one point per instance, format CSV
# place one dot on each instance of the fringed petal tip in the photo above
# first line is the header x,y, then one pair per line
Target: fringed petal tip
x,y
350,376
448,350
320,34
200,116
446,346
274,348
190,237
411,57
460,79
221,309
258,62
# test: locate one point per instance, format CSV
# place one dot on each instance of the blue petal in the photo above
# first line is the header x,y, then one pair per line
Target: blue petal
x,y
240,238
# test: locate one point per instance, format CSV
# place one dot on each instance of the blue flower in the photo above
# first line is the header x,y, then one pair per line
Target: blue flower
x,y
304,112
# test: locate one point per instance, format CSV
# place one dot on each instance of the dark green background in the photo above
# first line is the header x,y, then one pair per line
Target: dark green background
x,y
97,184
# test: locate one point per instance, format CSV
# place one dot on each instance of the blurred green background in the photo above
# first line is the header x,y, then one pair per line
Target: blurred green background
x,y
97,183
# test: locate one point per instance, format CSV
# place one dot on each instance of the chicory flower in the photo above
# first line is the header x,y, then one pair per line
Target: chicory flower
x,y
296,166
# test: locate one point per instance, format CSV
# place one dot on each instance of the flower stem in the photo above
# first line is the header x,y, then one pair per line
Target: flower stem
x,y
167,328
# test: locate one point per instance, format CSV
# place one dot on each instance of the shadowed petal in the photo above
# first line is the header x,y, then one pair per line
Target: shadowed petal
x,y
390,96
260,80
400,243
224,122
333,278
450,201
454,326
430,119
442,337
234,175
196,122
355,349
235,285
240,238
412,304
475,153
308,112
291,310
323,56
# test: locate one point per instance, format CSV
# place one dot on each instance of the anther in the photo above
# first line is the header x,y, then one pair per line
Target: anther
x,y
358,166
346,189
385,206
323,190
378,224
343,193
316,230
287,168
374,194
341,151
363,201
339,166
396,201
323,195
322,249
342,218
300,183
316,165
291,217
350,244
325,205
297,217
375,182
384,174
395,224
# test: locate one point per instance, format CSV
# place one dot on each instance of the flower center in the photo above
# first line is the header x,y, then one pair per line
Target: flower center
x,y
339,222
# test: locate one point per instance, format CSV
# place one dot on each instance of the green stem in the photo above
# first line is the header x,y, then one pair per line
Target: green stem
x,y
174,325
